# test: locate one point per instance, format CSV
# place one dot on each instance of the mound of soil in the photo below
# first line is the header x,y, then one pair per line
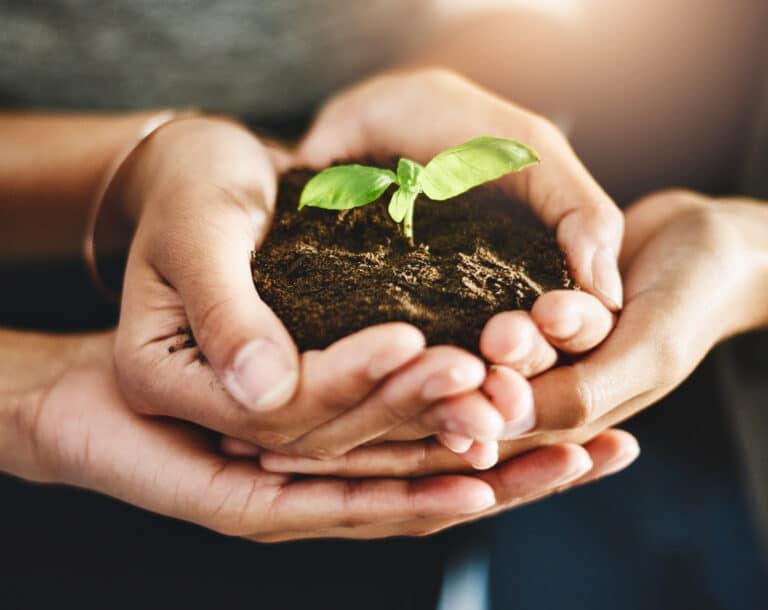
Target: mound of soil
x,y
327,274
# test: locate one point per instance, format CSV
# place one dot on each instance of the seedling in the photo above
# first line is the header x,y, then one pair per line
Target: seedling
x,y
450,173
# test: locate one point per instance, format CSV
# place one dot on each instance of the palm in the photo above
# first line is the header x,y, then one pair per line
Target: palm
x,y
90,437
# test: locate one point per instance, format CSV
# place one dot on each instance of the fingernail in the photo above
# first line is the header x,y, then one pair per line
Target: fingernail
x,y
458,443
520,351
487,458
479,501
621,461
519,426
565,328
383,364
262,376
454,380
578,470
605,277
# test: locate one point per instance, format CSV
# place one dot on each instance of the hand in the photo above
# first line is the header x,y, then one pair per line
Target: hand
x,y
696,272
203,191
419,113
63,420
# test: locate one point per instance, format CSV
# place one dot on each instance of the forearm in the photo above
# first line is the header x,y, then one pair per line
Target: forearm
x,y
50,168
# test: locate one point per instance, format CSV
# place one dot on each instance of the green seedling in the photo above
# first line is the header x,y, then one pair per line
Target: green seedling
x,y
450,173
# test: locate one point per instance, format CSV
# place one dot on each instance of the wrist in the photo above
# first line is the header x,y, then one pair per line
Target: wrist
x,y
33,362
182,152
749,220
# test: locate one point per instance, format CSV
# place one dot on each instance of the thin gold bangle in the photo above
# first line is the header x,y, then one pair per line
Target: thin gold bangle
x,y
147,129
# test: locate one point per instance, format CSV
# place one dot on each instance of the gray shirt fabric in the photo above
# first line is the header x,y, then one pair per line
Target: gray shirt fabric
x,y
271,60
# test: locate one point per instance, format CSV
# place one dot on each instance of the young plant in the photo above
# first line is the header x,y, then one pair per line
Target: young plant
x,y
450,173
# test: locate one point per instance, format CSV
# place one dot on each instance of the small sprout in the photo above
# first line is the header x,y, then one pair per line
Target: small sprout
x,y
451,173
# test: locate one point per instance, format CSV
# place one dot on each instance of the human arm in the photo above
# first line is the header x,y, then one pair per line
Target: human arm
x,y
200,192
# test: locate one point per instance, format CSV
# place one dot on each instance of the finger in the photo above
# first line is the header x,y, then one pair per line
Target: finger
x,y
439,372
403,459
598,385
470,415
459,421
177,384
237,448
538,471
338,378
242,339
572,321
611,451
608,452
512,338
306,507
566,197
392,459
177,474
458,443
539,474
482,456
511,394
475,416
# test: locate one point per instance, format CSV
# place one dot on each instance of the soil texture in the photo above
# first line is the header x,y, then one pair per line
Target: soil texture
x,y
327,274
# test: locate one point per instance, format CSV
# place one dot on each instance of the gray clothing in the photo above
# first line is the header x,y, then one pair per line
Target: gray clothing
x,y
270,60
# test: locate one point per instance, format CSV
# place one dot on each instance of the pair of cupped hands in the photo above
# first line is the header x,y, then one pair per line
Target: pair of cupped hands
x,y
398,438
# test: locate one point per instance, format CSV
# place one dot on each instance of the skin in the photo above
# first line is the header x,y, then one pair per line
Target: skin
x,y
425,102
696,273
201,192
63,420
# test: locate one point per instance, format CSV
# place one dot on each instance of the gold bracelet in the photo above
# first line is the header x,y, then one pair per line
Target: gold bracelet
x,y
148,128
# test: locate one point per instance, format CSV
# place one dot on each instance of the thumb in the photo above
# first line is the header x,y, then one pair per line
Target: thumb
x,y
243,340
565,196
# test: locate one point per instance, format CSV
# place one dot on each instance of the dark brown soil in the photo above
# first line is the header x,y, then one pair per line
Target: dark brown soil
x,y
327,274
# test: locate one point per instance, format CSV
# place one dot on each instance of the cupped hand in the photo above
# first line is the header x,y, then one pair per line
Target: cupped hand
x,y
203,192
696,272
418,113
76,428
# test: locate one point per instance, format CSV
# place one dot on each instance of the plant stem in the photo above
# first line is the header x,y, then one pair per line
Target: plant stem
x,y
408,222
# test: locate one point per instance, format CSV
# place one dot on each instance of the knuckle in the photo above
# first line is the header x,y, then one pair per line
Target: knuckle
x,y
210,324
392,412
281,441
321,453
583,406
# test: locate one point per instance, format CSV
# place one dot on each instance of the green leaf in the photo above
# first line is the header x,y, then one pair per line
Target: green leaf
x,y
468,165
402,199
408,174
345,186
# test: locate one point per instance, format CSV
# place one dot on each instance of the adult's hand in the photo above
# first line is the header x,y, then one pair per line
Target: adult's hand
x,y
696,272
63,420
417,114
203,192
